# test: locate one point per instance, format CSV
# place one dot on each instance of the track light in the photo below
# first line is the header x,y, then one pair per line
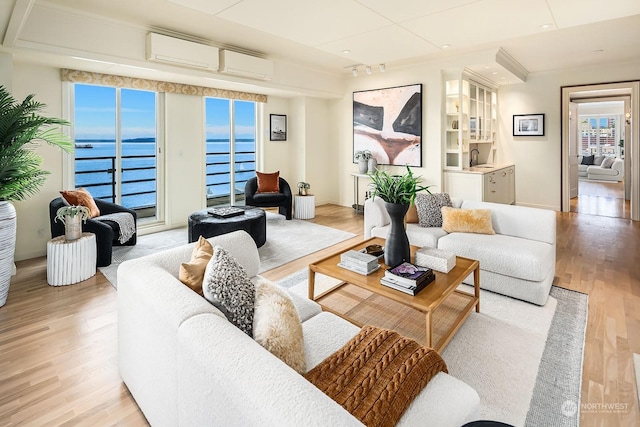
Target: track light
x,y
354,71
368,69
383,68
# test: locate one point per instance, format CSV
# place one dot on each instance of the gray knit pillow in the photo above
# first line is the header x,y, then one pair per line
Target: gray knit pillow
x,y
227,286
428,206
607,163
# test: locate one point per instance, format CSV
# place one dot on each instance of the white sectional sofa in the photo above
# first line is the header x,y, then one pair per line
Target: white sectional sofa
x,y
186,365
597,172
518,261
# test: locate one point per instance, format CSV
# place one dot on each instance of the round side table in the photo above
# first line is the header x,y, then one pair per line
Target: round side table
x,y
304,207
71,262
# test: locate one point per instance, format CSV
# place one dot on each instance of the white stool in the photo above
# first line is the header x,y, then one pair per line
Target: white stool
x,y
304,207
71,262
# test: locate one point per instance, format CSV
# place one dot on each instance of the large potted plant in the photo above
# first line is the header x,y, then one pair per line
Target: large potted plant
x,y
398,193
21,125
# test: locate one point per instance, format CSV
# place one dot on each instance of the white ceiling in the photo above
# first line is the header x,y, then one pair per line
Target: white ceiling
x,y
400,32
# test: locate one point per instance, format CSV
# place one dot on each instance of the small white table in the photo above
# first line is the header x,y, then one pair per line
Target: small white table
x,y
304,207
71,262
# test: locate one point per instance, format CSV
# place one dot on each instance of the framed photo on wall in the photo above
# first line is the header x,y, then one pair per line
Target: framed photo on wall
x,y
388,123
528,125
277,127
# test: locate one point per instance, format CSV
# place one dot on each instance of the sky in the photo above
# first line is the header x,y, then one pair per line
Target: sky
x,y
95,114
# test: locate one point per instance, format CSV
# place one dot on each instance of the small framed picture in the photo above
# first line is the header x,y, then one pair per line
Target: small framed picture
x,y
528,125
278,127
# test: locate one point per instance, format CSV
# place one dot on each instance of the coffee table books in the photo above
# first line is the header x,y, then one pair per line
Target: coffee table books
x,y
226,212
407,289
409,274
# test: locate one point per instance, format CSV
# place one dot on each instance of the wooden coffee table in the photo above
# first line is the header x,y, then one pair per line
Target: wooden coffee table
x,y
427,300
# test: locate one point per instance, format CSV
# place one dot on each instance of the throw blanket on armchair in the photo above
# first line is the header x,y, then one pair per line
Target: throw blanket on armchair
x,y
376,375
125,221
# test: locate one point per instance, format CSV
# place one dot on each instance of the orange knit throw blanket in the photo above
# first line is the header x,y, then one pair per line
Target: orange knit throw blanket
x,y
376,375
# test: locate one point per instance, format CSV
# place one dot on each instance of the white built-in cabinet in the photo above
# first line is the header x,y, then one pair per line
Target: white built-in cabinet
x,y
471,123
495,185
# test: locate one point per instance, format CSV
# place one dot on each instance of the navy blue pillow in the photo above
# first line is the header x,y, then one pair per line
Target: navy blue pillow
x,y
587,160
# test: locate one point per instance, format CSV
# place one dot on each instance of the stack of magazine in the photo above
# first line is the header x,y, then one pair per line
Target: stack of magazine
x,y
408,278
359,262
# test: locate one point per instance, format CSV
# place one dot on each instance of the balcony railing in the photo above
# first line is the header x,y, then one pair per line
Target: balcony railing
x,y
101,176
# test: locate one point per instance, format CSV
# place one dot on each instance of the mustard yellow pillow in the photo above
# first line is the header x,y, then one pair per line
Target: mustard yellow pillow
x,y
192,272
81,197
467,220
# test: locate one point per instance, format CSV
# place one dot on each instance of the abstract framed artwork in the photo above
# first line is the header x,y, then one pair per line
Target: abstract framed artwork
x,y
277,127
528,125
388,123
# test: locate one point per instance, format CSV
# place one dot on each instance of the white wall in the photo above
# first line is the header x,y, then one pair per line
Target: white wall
x,y
6,71
538,159
33,213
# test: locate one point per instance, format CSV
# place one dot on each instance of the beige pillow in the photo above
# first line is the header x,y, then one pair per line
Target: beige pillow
x,y
277,327
192,272
467,220
81,197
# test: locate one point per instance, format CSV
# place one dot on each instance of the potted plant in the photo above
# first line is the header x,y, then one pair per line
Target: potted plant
x,y
21,125
362,157
398,192
303,187
72,217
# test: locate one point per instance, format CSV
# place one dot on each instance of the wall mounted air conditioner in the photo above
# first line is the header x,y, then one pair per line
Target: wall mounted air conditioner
x,y
245,65
181,52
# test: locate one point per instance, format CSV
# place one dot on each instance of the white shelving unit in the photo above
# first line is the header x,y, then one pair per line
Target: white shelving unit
x,y
471,123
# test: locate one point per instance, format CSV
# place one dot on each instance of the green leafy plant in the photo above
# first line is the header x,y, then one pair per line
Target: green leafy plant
x,y
21,125
362,155
72,211
400,189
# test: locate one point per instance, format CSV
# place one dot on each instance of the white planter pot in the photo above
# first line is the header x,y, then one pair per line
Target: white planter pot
x,y
8,227
363,165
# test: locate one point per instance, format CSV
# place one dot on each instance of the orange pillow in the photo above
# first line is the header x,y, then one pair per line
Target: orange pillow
x,y
192,272
268,182
81,197
412,215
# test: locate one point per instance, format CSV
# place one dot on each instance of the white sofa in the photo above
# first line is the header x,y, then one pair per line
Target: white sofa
x,y
597,172
518,261
186,365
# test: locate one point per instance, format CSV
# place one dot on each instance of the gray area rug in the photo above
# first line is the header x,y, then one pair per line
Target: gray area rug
x,y
524,361
286,241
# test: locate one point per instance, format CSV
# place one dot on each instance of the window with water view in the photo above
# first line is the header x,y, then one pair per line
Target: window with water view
x,y
229,142
115,137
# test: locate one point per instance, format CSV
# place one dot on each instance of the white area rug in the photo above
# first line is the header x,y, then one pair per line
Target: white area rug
x,y
286,241
506,353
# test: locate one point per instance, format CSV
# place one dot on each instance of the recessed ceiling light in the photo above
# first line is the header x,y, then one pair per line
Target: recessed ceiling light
x,y
503,78
597,51
494,73
545,26
346,51
486,67
446,46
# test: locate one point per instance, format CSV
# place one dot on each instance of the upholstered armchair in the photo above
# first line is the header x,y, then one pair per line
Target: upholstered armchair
x,y
107,232
282,200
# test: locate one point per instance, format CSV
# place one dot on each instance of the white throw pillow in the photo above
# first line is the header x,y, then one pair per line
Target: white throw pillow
x,y
607,162
277,327
227,286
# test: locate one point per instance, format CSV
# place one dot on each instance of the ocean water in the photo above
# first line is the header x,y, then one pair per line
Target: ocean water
x,y
96,169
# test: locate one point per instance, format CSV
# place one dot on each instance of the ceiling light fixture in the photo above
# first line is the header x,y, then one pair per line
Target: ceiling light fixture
x,y
354,71
545,26
346,51
383,68
494,73
368,69
446,46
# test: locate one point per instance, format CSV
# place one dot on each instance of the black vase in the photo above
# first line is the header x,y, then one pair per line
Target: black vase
x,y
396,249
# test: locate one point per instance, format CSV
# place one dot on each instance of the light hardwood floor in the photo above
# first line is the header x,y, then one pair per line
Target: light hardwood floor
x,y
601,198
58,345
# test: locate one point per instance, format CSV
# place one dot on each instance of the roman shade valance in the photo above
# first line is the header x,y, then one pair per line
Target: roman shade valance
x,y
77,76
